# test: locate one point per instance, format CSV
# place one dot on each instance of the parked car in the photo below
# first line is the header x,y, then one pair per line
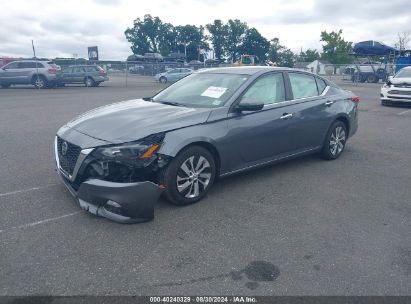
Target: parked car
x,y
90,75
398,88
153,57
175,57
371,47
117,160
173,75
41,74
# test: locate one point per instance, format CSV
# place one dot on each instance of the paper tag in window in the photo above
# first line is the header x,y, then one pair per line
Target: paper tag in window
x,y
214,92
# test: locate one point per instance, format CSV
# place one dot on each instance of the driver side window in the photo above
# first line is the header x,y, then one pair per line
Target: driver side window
x,y
267,89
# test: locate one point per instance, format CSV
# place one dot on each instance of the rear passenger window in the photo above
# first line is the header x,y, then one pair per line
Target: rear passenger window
x,y
321,85
268,89
78,70
303,85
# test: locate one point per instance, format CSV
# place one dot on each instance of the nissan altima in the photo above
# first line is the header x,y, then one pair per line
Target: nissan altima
x,y
119,159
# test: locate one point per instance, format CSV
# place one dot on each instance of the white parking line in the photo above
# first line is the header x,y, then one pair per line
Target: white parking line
x,y
404,112
41,222
26,190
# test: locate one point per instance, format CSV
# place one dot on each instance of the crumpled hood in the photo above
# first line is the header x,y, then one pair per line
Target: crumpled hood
x,y
400,80
134,119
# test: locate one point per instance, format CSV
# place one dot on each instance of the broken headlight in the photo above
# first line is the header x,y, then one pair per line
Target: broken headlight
x,y
142,151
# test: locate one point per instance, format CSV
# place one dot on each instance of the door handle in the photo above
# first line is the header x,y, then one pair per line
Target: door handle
x,y
286,116
329,103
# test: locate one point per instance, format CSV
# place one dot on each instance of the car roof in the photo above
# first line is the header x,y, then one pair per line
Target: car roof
x,y
246,70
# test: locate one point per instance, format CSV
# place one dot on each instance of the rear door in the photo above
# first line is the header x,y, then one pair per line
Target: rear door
x,y
27,70
311,111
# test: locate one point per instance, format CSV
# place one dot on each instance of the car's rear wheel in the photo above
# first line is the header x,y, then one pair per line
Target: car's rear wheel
x,y
189,176
163,79
39,82
89,82
372,78
335,141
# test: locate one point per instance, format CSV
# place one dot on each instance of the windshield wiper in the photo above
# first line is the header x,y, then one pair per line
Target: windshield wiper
x,y
172,103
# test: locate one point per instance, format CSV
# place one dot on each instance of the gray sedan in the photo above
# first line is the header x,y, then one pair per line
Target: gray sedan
x,y
173,75
117,160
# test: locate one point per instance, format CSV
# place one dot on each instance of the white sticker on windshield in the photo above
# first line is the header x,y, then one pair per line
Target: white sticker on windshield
x,y
214,92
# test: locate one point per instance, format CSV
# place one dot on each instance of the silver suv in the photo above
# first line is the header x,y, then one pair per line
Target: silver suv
x,y
25,72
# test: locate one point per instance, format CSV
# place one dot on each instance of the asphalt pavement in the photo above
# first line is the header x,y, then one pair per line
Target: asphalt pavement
x,y
303,227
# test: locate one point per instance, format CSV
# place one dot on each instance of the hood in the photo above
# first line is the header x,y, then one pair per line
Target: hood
x,y
400,80
134,119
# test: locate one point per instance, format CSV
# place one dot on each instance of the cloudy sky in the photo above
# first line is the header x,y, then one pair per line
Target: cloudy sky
x,y
63,28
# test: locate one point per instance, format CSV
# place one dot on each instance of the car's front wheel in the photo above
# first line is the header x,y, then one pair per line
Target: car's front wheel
x,y
335,141
163,79
189,176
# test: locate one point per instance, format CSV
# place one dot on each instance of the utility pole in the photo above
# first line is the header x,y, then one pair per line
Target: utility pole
x,y
35,58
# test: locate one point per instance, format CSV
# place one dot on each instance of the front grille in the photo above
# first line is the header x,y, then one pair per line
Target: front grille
x,y
402,85
398,97
396,92
67,161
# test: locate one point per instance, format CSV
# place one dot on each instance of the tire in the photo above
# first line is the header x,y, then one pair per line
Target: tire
x,y
163,79
184,185
89,82
5,86
372,78
332,148
97,83
39,82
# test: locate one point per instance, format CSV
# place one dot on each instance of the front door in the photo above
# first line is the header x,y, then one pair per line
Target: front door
x,y
264,134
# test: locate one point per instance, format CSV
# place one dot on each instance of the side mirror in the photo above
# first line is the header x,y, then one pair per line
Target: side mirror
x,y
248,105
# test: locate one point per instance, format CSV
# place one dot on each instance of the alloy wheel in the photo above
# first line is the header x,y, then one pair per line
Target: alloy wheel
x,y
337,141
193,176
39,83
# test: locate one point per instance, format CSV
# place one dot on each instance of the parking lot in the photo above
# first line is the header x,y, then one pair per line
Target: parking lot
x,y
304,227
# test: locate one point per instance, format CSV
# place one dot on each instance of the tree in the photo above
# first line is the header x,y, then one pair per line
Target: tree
x,y
190,40
218,31
280,55
144,35
255,44
402,42
167,40
309,55
235,36
335,49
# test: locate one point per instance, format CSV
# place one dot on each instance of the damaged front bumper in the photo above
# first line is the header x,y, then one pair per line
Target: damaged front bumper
x,y
121,202
125,203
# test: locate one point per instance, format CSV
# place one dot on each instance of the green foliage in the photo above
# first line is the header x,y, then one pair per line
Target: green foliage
x,y
280,55
190,39
335,49
309,55
236,31
218,31
255,44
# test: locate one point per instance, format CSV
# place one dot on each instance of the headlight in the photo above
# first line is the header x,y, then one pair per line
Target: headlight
x,y
143,149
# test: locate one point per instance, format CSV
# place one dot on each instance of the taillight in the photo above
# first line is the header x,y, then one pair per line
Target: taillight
x,y
102,72
355,99
52,70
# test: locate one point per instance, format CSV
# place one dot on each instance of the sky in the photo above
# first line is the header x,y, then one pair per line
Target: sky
x,y
63,28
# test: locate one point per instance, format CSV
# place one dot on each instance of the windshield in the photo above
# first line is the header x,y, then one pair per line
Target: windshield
x,y
206,90
404,73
